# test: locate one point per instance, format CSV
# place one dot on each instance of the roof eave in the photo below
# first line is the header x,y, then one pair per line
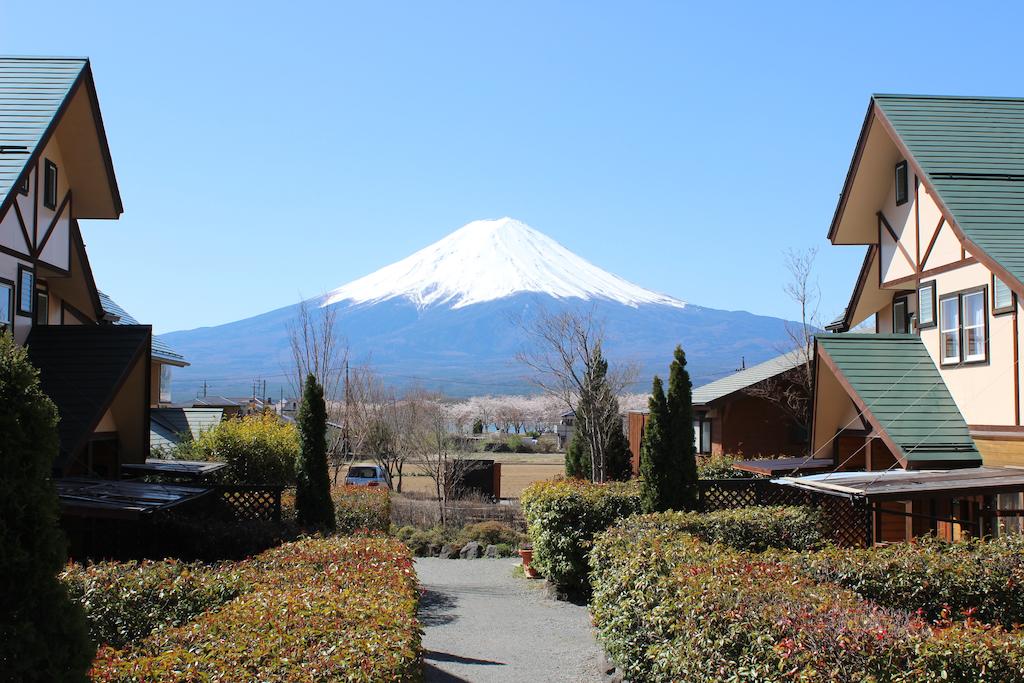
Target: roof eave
x,y
837,216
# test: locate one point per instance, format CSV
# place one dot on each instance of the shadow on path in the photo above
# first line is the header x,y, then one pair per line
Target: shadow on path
x,y
432,674
448,657
436,608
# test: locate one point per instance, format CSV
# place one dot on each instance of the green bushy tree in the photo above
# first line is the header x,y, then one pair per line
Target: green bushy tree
x,y
683,461
618,456
656,452
43,634
577,457
313,503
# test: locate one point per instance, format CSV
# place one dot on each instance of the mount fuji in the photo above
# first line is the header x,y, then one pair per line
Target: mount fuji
x,y
444,318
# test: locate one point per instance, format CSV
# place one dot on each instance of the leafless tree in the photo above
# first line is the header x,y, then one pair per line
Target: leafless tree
x,y
316,349
379,423
563,352
792,391
439,450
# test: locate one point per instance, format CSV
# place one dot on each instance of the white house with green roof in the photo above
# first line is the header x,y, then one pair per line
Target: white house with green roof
x,y
935,191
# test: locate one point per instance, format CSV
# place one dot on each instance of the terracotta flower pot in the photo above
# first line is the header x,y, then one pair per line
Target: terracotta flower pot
x,y
527,556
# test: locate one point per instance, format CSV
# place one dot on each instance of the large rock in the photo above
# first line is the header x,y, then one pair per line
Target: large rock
x,y
433,549
447,552
470,551
492,551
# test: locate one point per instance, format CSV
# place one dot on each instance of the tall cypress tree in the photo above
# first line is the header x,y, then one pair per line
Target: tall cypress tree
x,y
619,458
313,504
656,452
43,635
577,457
683,465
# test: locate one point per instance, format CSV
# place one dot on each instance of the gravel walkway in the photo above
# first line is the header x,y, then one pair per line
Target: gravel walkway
x,y
482,623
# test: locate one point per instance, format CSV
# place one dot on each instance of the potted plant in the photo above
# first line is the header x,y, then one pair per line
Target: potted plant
x,y
526,553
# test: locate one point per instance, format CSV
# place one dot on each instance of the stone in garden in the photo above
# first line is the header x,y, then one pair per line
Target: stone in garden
x,y
470,551
447,552
492,551
433,550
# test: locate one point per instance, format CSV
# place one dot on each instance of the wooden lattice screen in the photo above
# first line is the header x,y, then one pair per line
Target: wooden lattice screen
x,y
246,503
846,522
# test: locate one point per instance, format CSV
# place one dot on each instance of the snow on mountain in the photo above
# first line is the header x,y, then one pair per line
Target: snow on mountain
x,y
493,259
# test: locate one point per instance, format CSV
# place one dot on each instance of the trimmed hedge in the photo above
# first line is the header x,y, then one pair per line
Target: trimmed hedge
x,y
972,579
562,518
754,529
320,609
668,607
362,508
126,601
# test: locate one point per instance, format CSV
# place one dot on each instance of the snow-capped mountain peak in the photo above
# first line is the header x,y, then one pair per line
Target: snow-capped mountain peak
x,y
493,259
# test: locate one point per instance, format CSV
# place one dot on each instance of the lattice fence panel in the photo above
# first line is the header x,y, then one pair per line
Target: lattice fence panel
x,y
845,522
245,503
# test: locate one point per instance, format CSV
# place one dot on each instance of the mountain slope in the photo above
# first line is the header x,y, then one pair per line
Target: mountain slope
x,y
445,317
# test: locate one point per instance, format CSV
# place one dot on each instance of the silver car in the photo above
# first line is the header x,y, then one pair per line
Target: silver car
x,y
367,475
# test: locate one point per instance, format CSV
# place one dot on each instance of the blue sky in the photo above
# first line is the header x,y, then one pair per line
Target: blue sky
x,y
283,150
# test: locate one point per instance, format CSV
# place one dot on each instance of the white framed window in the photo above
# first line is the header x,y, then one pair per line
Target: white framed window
x,y
949,328
26,290
6,305
1002,297
972,315
702,434
926,304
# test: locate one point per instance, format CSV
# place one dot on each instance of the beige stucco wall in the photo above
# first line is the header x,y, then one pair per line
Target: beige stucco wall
x,y
833,411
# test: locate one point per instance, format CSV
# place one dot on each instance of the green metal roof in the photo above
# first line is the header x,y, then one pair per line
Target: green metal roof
x,y
32,90
897,381
741,379
972,150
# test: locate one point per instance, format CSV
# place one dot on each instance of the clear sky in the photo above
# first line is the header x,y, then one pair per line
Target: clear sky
x,y
267,151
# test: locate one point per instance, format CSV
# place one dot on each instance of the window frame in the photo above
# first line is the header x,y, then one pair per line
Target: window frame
x,y
903,187
905,301
12,288
26,184
962,359
22,270
42,297
1002,310
700,419
49,191
921,325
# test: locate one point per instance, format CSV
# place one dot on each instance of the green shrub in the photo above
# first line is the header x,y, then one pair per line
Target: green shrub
x,y
420,540
126,601
43,634
504,549
720,467
259,449
982,580
755,529
563,516
489,533
669,607
338,608
362,508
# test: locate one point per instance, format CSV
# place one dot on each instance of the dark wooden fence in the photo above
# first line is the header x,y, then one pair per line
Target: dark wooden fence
x,y
846,522
246,503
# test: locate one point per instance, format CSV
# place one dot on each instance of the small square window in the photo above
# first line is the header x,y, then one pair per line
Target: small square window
x,y
50,185
926,305
902,191
42,308
26,290
1002,297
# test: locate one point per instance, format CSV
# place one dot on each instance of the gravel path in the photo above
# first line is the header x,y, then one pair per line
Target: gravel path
x,y
482,623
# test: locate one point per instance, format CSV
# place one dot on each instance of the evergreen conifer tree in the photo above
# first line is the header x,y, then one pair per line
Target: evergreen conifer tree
x,y
313,504
656,453
619,457
577,457
43,634
683,461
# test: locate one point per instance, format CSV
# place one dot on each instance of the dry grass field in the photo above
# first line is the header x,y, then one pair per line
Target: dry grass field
x,y
517,472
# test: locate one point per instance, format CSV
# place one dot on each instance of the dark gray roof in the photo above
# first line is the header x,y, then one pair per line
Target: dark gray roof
x,y
742,379
160,351
32,91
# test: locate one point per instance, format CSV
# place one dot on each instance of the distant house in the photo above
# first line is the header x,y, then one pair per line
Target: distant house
x,y
228,406
565,428
728,419
169,426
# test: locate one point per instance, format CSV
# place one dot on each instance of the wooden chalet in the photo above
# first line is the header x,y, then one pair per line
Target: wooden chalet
x,y
935,192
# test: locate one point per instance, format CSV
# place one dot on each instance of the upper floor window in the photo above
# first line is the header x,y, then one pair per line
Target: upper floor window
x,y
900,316
23,186
165,383
26,290
42,308
963,327
902,183
49,184
926,304
6,305
1002,297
